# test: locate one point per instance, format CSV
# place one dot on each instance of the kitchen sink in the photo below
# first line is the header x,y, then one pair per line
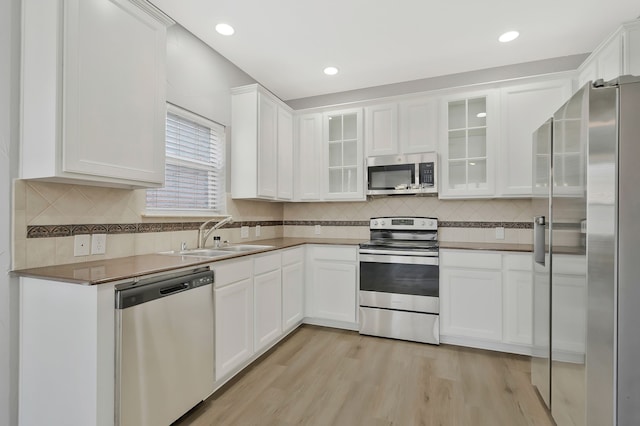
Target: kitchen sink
x,y
197,253
216,252
245,247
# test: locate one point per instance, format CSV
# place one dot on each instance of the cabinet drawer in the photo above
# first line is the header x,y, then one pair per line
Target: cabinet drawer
x,y
232,271
344,253
266,263
471,259
518,262
295,255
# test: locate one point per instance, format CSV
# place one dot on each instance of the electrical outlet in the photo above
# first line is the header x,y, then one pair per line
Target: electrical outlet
x,y
244,232
98,243
81,245
500,233
318,229
258,230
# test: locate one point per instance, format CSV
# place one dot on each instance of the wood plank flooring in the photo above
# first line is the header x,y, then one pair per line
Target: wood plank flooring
x,y
323,376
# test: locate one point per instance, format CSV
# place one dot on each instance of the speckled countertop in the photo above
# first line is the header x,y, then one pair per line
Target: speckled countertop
x,y
123,268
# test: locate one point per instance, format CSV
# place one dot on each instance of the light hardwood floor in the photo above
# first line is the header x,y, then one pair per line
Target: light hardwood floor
x,y
323,376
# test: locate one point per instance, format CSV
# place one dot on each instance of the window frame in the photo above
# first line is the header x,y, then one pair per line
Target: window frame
x,y
171,159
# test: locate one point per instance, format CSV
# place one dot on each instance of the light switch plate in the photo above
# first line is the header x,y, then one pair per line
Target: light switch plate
x,y
500,233
244,232
98,243
81,245
258,230
318,229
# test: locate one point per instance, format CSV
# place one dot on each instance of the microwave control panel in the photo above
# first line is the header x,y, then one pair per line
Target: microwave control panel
x,y
426,174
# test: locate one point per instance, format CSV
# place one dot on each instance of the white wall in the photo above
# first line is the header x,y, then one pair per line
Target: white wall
x,y
199,78
9,109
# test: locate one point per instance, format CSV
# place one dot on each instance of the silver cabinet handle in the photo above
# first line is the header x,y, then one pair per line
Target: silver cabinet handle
x,y
539,223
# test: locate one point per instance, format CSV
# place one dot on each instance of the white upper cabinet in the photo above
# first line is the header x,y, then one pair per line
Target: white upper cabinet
x,y
93,98
469,133
381,134
261,145
308,153
407,127
618,55
285,154
267,147
418,125
524,108
343,155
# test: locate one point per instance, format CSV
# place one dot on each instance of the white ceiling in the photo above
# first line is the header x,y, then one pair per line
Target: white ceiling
x,y
285,44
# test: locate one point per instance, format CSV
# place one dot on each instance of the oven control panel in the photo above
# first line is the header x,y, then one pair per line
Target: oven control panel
x,y
406,223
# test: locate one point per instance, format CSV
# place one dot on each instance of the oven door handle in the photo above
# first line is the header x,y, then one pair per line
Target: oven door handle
x,y
409,260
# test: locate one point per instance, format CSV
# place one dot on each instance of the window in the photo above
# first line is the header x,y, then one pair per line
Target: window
x,y
194,170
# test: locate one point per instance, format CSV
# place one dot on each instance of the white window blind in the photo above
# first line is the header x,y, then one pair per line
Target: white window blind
x,y
194,171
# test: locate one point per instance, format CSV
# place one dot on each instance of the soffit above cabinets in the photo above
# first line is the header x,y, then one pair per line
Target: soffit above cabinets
x,y
286,44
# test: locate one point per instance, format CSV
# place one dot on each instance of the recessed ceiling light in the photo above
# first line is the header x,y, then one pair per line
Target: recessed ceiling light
x,y
225,29
481,114
508,36
331,70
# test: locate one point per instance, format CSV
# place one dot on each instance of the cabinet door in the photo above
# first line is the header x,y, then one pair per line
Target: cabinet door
x,y
609,59
285,154
518,307
267,146
268,308
343,153
523,108
381,134
113,91
418,126
471,303
308,170
334,291
234,325
292,295
469,136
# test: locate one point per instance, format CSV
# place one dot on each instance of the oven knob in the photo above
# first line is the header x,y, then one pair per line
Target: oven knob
x,y
423,223
375,223
382,222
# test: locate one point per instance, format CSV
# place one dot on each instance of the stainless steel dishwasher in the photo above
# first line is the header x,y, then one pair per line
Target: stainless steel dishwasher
x,y
164,344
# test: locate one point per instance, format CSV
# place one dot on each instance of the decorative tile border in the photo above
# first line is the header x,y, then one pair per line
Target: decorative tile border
x,y
50,231
508,225
326,222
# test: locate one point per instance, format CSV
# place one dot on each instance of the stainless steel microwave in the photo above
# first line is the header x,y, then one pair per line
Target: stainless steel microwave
x,y
402,174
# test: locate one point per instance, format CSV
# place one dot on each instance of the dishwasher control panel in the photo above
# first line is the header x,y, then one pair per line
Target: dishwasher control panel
x,y
137,293
199,282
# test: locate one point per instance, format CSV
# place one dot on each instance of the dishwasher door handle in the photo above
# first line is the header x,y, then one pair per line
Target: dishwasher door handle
x,y
174,289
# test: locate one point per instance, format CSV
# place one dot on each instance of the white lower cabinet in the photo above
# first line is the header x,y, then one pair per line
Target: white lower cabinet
x,y
486,299
518,299
471,301
233,295
292,288
267,292
332,283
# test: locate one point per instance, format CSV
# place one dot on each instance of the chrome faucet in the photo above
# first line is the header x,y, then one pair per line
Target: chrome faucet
x,y
203,236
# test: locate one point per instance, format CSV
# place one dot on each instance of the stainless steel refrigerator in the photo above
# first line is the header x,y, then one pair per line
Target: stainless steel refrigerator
x,y
586,274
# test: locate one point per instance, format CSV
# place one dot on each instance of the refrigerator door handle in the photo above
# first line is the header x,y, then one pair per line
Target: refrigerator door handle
x,y
538,239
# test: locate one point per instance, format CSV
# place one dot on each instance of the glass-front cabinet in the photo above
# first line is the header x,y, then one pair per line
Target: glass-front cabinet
x,y
343,147
467,145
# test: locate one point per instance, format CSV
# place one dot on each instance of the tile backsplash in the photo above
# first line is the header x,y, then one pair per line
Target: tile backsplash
x,y
52,213
60,209
461,220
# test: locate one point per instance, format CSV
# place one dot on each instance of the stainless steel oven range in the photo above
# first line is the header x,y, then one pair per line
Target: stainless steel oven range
x,y
399,279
